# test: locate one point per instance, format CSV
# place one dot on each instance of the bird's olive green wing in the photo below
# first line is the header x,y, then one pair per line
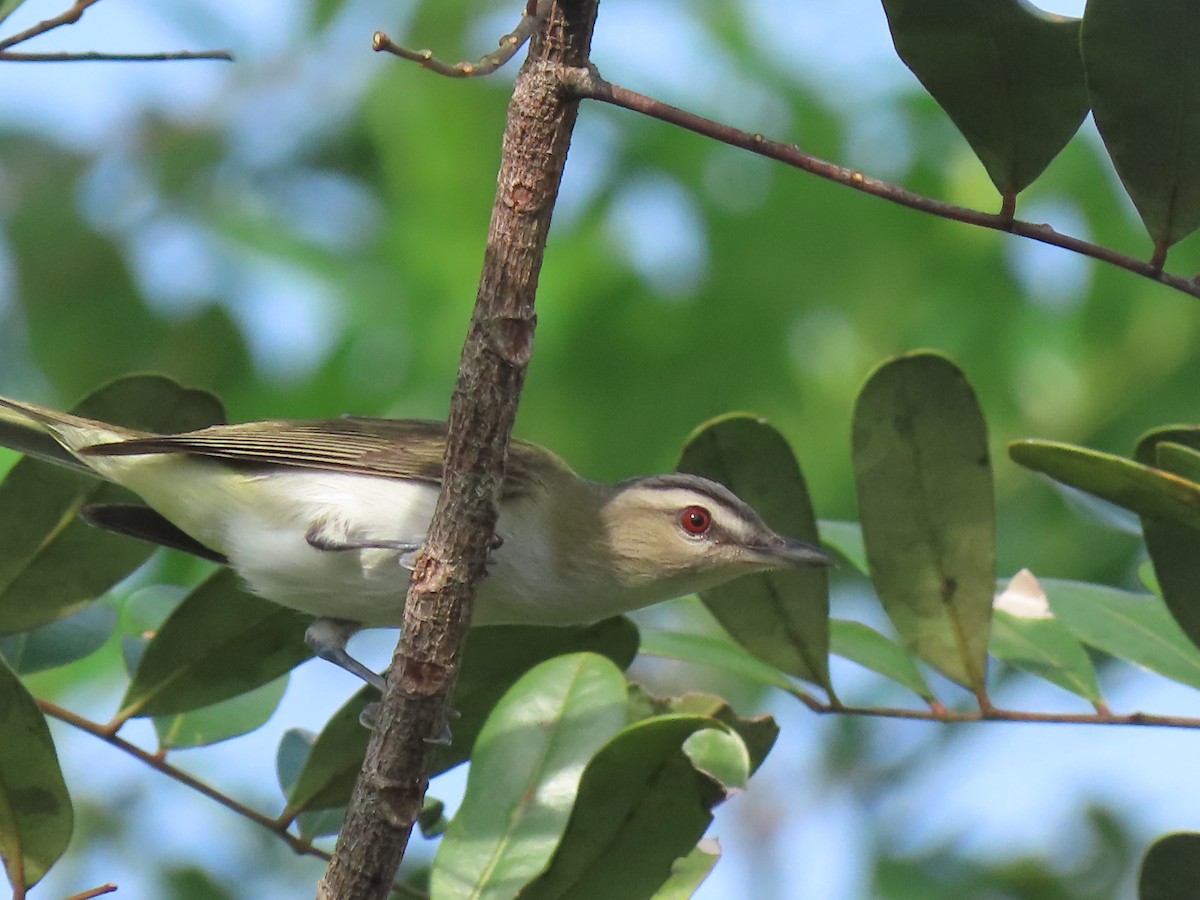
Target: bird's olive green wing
x,y
408,449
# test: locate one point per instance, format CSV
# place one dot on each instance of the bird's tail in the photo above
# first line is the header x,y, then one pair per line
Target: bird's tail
x,y
54,436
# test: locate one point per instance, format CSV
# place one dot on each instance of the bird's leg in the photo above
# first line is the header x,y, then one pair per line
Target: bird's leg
x,y
327,638
319,537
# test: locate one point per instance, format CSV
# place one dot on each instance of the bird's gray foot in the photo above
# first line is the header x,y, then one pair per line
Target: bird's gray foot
x,y
327,638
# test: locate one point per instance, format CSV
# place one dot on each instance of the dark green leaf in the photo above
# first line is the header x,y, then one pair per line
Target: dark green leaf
x,y
1147,491
1143,74
8,7
1175,548
61,642
51,563
864,645
1171,868
1009,76
525,768
493,659
928,515
781,617
641,806
219,643
1134,627
432,819
221,721
35,809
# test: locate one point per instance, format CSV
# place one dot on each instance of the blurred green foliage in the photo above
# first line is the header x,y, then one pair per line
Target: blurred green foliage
x,y
782,292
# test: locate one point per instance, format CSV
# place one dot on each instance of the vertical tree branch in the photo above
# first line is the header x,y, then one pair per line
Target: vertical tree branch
x,y
391,785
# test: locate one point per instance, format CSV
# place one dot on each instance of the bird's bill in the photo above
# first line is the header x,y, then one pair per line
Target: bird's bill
x,y
789,553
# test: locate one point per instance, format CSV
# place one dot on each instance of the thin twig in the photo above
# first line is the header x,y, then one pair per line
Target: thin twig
x,y
587,83
69,17
531,18
158,762
91,56
155,761
99,891
992,714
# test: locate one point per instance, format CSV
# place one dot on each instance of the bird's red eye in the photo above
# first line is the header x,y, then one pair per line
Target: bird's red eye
x,y
695,520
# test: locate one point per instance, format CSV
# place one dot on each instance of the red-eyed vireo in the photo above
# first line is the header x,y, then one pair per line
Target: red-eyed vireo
x,y
326,517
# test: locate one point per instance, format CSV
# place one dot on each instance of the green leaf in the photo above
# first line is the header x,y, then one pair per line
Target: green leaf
x,y
1143,74
432,818
1171,868
525,768
228,719
61,642
35,809
846,538
641,805
219,643
1026,635
493,659
1044,648
330,769
1134,627
1178,459
1009,76
324,12
928,514
781,617
758,735
864,645
8,7
1175,548
688,872
714,652
51,563
1147,491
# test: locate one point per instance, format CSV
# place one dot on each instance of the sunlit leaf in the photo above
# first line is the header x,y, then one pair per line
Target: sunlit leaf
x,y
1143,489
928,515
525,769
1043,647
641,805
781,617
35,809
688,872
493,659
1143,75
1009,76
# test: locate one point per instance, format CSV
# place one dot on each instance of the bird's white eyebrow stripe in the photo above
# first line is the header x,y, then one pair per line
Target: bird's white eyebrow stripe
x,y
682,489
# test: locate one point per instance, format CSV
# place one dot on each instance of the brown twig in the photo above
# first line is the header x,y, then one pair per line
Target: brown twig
x,y
992,714
587,83
98,891
533,16
154,761
92,56
68,17
391,786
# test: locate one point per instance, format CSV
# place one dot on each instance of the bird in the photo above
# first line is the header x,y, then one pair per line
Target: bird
x,y
327,517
